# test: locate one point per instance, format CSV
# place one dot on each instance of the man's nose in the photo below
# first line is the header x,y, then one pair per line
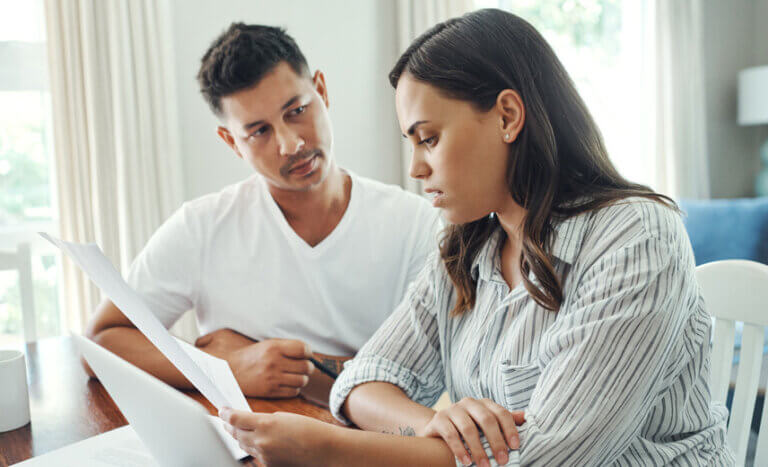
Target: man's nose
x,y
289,142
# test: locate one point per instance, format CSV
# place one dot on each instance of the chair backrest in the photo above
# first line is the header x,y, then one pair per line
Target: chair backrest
x,y
737,290
21,261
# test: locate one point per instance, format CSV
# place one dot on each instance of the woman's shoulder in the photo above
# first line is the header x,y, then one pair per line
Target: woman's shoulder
x,y
631,221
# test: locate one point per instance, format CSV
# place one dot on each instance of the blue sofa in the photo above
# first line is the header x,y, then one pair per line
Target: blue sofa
x,y
727,229
730,229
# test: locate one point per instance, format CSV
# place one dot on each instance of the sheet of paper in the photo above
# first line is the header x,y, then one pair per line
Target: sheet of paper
x,y
218,370
100,270
120,447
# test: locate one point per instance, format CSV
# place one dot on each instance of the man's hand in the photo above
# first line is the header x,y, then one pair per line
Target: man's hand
x,y
273,368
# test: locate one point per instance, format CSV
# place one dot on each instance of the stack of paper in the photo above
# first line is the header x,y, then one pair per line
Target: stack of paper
x,y
210,375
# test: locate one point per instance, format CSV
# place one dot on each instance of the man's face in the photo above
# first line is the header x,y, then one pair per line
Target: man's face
x,y
282,128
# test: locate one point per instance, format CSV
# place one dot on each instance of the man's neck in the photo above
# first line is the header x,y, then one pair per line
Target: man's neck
x,y
330,196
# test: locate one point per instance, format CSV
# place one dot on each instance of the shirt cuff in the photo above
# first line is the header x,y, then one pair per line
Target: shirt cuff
x,y
366,369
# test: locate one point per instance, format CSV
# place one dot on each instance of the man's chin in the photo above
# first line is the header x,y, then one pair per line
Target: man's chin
x,y
309,181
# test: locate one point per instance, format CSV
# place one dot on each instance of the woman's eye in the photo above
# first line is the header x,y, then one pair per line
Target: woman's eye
x,y
429,141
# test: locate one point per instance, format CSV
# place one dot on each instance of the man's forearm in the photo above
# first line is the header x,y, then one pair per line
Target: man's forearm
x,y
131,345
385,408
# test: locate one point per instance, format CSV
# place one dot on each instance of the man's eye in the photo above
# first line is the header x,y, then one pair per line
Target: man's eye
x,y
429,141
298,110
260,131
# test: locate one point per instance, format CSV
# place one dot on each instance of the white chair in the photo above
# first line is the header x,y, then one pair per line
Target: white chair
x,y
21,261
737,290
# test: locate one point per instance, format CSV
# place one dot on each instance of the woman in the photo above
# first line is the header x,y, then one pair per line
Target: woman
x,y
561,311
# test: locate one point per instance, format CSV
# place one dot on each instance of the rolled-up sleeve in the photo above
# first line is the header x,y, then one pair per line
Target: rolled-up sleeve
x,y
604,359
404,351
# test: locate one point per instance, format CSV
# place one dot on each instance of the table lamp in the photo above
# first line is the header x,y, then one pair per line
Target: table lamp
x,y
753,110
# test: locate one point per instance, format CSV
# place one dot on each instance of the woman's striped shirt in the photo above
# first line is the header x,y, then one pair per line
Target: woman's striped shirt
x,y
618,376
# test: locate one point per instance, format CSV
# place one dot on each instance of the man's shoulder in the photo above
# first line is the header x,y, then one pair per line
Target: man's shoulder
x,y
227,199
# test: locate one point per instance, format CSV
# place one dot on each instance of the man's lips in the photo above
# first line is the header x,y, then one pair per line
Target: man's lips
x,y
302,165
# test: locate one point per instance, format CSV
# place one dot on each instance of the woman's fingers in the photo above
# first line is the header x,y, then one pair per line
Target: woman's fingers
x,y
445,428
490,425
471,435
240,419
508,422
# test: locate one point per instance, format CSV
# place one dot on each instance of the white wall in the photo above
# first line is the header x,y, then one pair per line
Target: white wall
x,y
734,39
352,42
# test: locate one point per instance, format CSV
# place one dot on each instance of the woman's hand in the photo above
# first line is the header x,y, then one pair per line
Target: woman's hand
x,y
462,422
280,438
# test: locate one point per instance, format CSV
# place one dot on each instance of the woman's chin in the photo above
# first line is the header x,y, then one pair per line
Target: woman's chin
x,y
457,217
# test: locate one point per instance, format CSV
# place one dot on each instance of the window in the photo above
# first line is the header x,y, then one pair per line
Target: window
x,y
600,43
27,194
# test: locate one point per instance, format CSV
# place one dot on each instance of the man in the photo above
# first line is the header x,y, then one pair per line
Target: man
x,y
301,261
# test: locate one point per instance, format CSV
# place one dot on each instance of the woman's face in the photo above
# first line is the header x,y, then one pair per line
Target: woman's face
x,y
459,153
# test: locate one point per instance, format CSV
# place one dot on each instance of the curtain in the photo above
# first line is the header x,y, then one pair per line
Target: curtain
x,y
414,17
118,171
676,86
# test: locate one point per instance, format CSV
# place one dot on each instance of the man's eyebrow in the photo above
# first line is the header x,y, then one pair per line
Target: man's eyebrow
x,y
290,102
412,128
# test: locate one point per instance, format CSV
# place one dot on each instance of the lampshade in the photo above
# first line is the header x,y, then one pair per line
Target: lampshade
x,y
753,96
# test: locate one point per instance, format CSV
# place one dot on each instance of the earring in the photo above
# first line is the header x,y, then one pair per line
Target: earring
x,y
506,137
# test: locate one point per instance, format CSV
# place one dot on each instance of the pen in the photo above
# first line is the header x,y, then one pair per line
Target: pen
x,y
323,368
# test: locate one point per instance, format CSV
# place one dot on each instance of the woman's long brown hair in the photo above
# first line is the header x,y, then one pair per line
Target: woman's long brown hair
x,y
558,166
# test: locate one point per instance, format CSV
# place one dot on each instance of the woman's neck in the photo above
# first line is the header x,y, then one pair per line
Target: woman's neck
x,y
511,217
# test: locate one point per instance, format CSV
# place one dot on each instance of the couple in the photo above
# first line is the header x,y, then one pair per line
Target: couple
x,y
559,308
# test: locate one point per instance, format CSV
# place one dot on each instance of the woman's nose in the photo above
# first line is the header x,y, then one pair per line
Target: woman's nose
x,y
419,168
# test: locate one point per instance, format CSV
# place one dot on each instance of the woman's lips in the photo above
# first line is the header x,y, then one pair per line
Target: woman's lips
x,y
436,197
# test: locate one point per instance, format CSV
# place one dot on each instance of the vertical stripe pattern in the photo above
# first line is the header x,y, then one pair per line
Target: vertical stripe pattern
x,y
618,376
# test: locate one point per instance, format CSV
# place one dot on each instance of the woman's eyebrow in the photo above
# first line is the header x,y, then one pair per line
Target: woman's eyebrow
x,y
412,128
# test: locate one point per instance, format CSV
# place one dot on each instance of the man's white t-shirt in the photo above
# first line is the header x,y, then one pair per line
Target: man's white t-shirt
x,y
233,257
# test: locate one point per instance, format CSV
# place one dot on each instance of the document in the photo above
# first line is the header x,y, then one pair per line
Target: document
x,y
120,447
210,375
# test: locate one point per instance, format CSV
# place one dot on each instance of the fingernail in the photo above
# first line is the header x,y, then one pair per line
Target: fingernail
x,y
514,442
485,463
501,457
466,460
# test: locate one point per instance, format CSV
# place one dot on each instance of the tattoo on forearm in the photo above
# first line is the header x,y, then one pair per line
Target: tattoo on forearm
x,y
404,431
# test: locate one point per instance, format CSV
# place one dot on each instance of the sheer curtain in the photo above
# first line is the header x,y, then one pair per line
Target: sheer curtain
x,y
115,134
678,128
414,17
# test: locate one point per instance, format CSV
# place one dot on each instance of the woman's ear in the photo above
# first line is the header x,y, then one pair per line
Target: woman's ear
x,y
510,107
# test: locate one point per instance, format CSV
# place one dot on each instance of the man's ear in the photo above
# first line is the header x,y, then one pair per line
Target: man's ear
x,y
224,134
320,87
510,105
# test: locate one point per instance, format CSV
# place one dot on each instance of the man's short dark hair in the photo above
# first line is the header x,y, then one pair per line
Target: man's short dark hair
x,y
241,56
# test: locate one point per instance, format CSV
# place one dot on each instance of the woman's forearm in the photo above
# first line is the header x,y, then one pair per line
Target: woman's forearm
x,y
385,408
351,447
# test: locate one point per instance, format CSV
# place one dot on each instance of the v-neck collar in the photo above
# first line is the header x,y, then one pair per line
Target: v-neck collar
x,y
294,239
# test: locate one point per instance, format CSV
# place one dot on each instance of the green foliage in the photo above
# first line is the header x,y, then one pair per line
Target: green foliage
x,y
25,193
593,24
46,303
